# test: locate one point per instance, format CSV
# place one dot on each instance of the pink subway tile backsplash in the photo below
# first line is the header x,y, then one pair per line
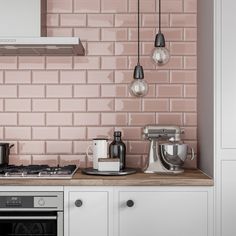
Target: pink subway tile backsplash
x,y
52,107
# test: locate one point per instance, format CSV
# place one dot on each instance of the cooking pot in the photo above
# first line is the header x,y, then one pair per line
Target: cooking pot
x,y
4,152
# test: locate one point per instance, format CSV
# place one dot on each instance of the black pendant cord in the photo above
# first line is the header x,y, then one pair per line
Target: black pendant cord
x,y
138,32
159,16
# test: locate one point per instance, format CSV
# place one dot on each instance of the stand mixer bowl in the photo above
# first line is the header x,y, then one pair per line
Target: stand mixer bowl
x,y
173,155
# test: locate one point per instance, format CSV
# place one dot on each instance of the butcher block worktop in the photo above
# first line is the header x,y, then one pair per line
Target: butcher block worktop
x,y
188,178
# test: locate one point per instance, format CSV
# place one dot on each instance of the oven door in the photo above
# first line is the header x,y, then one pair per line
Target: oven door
x,y
34,223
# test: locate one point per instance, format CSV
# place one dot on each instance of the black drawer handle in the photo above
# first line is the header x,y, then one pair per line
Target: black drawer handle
x,y
78,203
130,203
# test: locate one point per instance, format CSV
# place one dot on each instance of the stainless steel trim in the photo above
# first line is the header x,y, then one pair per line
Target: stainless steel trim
x,y
28,217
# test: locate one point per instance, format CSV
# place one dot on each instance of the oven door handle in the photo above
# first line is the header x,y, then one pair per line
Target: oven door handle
x,y
28,217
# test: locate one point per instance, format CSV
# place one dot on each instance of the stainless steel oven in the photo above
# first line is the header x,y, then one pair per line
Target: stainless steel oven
x,y
31,213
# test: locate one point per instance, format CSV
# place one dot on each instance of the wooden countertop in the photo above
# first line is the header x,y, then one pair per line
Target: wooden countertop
x,y
188,178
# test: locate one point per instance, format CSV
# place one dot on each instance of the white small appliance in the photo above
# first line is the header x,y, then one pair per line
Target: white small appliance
x,y
98,148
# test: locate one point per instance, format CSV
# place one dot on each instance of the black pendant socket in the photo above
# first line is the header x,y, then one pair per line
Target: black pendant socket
x,y
160,40
138,72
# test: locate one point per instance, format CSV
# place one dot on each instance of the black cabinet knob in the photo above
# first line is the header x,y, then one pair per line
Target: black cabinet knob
x,y
78,203
130,203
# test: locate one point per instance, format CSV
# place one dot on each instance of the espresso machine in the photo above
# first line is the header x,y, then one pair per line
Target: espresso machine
x,y
166,153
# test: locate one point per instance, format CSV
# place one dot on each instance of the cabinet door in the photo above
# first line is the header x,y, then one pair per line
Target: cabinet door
x,y
88,213
163,213
228,214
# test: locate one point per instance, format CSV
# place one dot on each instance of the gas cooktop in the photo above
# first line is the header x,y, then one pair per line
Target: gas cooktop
x,y
37,171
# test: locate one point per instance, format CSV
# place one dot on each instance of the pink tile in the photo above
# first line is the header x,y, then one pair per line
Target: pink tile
x,y
59,91
87,6
73,20
81,146
190,5
190,62
78,160
31,91
1,105
147,6
183,20
190,119
31,119
72,133
45,77
72,77
156,76
17,105
169,90
188,105
58,147
73,105
8,91
14,149
175,62
100,105
59,32
114,34
45,133
87,63
183,48
141,119
52,20
114,119
156,105
59,6
1,77
103,77
183,77
100,48
87,34
17,133
151,20
190,133
1,133
126,20
170,119
58,119
17,77
138,147
134,161
86,91
109,62
54,62
45,105
126,48
7,62
31,147
100,20
171,6
113,91
190,91
151,91
131,133
26,62
145,61
20,160
86,119
100,132
146,34
123,76
8,119
108,6
51,160
131,104
190,34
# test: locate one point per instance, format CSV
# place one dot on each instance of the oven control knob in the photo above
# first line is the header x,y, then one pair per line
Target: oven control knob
x,y
41,202
78,203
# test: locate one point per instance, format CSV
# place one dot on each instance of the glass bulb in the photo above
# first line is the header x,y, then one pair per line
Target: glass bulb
x,y
160,55
138,88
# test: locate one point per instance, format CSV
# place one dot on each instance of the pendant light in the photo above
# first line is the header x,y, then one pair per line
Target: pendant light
x,y
160,54
138,87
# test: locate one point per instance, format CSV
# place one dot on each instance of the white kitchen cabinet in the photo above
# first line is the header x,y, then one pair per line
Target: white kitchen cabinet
x,y
87,211
164,211
139,211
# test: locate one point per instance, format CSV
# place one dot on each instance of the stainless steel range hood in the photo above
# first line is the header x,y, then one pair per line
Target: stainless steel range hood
x,y
23,31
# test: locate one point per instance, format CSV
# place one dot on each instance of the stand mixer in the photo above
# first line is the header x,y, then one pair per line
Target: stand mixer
x,y
165,158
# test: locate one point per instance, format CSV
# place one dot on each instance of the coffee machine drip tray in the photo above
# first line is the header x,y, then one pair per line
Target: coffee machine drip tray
x,y
126,171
